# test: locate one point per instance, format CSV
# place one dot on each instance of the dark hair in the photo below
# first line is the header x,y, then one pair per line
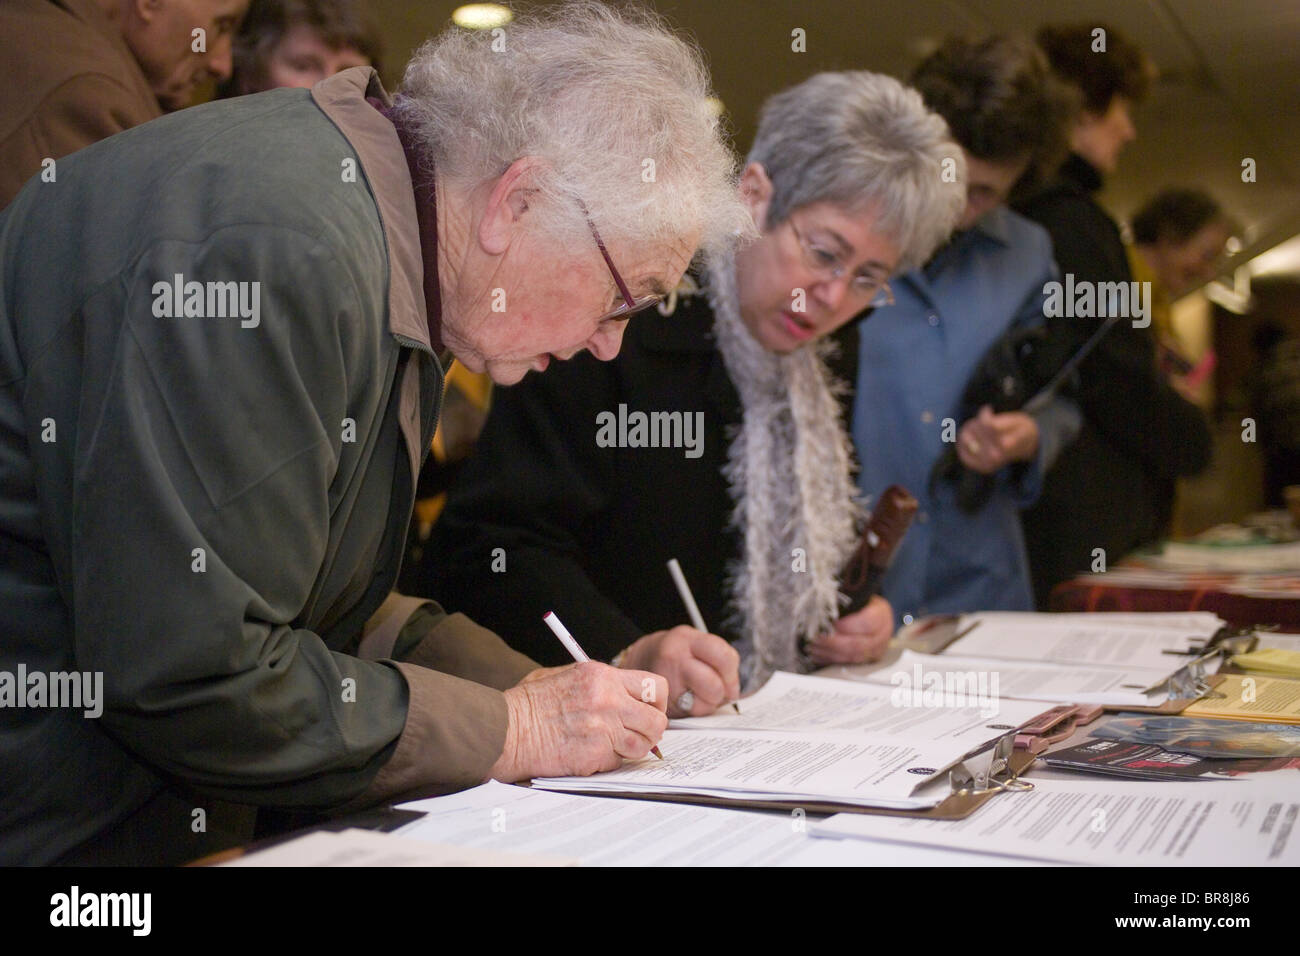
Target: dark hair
x,y
341,24
1000,99
1121,70
1175,215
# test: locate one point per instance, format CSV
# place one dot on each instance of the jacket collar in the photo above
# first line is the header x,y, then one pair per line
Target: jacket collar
x,y
993,224
343,98
1081,173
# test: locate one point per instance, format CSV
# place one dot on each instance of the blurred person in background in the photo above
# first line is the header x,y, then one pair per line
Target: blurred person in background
x,y
92,68
1178,241
1011,118
299,43
1276,398
1112,490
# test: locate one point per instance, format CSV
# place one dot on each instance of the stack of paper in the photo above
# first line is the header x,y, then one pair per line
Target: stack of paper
x,y
969,710
1270,660
867,771
1114,660
1251,698
1113,822
599,831
818,740
1279,641
1060,683
1150,643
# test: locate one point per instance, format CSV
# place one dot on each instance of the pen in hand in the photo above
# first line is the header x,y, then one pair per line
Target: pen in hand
x,y
575,651
693,609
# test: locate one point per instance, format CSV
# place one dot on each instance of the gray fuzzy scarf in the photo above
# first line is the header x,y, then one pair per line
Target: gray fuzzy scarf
x,y
790,472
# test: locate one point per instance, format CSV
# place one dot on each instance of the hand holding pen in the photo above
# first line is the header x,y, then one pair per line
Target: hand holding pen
x,y
577,720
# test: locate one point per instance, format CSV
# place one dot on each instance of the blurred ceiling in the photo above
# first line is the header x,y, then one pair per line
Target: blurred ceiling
x,y
1229,85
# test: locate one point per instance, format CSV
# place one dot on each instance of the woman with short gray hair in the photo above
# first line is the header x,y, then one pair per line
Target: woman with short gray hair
x,y
861,141
850,180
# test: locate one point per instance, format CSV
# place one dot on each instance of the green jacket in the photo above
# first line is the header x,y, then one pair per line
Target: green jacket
x,y
210,511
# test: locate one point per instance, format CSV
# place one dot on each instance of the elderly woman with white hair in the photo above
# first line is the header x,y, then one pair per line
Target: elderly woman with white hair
x,y
717,437
219,373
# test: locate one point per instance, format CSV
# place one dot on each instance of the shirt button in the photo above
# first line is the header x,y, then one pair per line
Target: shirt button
x,y
927,417
932,319
908,619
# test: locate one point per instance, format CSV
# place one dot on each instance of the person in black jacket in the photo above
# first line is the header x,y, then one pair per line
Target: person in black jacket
x,y
1112,490
717,436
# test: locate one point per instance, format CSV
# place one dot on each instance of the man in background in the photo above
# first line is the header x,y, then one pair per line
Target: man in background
x,y
93,68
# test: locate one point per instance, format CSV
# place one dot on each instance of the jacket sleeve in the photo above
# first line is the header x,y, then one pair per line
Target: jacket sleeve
x,y
203,495
420,632
509,545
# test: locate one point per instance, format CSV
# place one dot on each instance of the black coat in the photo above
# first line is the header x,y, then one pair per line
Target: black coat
x,y
1113,488
586,531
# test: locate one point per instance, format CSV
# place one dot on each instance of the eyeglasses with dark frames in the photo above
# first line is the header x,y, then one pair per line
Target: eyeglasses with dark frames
x,y
631,304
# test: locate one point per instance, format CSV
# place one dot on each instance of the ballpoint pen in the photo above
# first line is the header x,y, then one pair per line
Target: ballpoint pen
x,y
693,609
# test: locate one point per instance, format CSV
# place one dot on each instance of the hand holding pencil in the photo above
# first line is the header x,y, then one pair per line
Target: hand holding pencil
x,y
580,719
702,669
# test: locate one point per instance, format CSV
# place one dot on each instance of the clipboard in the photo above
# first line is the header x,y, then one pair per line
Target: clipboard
x,y
969,790
1187,685
1171,707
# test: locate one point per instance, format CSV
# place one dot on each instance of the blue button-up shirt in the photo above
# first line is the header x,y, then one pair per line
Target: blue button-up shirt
x,y
915,359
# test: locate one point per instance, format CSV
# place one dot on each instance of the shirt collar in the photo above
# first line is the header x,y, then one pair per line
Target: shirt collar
x,y
343,98
993,224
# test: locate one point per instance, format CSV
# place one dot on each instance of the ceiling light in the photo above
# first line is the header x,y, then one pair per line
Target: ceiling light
x,y
481,16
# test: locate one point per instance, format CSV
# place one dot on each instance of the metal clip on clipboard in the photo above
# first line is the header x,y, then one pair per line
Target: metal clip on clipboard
x,y
992,776
1191,682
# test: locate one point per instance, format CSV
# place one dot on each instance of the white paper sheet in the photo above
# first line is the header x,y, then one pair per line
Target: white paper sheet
x,y
1130,823
355,847
604,831
857,769
1061,683
1283,642
966,711
1090,640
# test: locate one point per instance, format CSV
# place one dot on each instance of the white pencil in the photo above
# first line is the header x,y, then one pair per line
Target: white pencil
x,y
692,609
575,650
